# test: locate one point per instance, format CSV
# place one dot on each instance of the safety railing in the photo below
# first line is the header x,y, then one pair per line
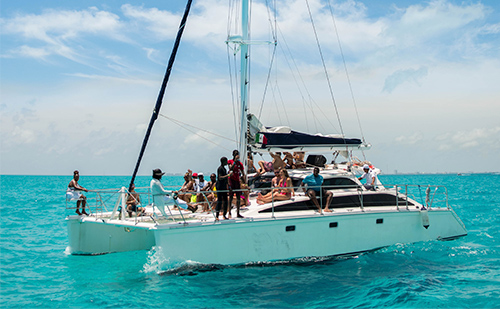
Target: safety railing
x,y
98,201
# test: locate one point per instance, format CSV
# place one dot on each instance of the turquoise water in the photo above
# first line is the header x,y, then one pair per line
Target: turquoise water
x,y
36,271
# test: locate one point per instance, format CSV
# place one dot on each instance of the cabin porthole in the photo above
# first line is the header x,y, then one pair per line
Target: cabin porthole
x,y
380,221
334,224
290,228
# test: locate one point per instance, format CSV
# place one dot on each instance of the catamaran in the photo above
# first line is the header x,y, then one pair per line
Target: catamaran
x,y
361,220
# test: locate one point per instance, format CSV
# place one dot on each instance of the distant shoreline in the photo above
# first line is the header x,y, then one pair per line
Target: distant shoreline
x,y
382,174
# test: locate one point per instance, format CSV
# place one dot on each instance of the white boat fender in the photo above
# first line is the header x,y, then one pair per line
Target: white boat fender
x,y
425,217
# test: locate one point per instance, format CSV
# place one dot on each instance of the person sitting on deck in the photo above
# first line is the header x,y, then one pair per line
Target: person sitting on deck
x,y
188,186
200,185
276,179
251,167
211,196
276,164
133,202
288,160
299,159
243,196
314,182
370,178
160,195
282,193
73,193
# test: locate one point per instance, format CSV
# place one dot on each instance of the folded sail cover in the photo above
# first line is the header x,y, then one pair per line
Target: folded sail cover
x,y
262,138
294,139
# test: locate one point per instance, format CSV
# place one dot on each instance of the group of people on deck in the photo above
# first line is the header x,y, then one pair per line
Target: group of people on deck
x,y
226,188
289,161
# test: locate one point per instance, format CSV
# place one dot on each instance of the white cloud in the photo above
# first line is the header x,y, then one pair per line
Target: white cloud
x,y
163,24
58,28
469,139
23,136
402,76
410,140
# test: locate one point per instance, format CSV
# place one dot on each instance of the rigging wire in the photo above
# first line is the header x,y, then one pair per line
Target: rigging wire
x,y
276,105
185,126
267,81
326,71
233,99
233,15
304,100
347,74
283,104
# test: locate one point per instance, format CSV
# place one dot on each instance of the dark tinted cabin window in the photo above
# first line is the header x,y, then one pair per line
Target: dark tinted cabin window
x,y
261,182
295,206
339,183
369,200
332,183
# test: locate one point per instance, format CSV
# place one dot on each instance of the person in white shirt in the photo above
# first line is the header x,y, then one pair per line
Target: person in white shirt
x,y
201,185
160,195
370,177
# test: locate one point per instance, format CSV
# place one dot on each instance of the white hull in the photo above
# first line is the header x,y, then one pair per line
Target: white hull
x,y
92,236
258,241
264,239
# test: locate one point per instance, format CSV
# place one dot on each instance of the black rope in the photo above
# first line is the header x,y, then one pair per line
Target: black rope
x,y
159,100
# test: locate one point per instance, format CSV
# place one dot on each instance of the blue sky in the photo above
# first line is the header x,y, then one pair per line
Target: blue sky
x,y
79,80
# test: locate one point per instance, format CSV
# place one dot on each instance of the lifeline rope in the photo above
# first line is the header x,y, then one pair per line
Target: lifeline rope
x,y
184,126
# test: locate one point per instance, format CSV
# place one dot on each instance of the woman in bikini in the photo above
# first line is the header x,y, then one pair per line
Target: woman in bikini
x,y
188,186
282,193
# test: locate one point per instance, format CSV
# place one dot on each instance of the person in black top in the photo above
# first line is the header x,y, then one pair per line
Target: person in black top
x,y
221,185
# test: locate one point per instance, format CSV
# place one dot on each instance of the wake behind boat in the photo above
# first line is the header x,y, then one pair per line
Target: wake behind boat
x,y
357,219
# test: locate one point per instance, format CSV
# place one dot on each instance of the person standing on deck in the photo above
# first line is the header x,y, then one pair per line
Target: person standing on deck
x,y
314,183
237,172
221,187
73,192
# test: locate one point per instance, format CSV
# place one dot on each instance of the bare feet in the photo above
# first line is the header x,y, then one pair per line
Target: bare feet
x,y
78,212
84,213
327,210
240,216
260,202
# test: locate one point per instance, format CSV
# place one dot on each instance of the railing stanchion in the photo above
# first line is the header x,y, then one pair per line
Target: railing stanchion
x,y
360,194
397,197
406,194
272,203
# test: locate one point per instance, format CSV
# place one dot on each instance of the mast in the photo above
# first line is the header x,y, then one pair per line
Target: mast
x,y
244,79
159,100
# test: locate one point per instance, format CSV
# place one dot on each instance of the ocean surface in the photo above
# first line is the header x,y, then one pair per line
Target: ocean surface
x,y
37,272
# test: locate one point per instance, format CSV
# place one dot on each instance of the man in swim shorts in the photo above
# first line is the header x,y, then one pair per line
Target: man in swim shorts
x,y
74,193
314,182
